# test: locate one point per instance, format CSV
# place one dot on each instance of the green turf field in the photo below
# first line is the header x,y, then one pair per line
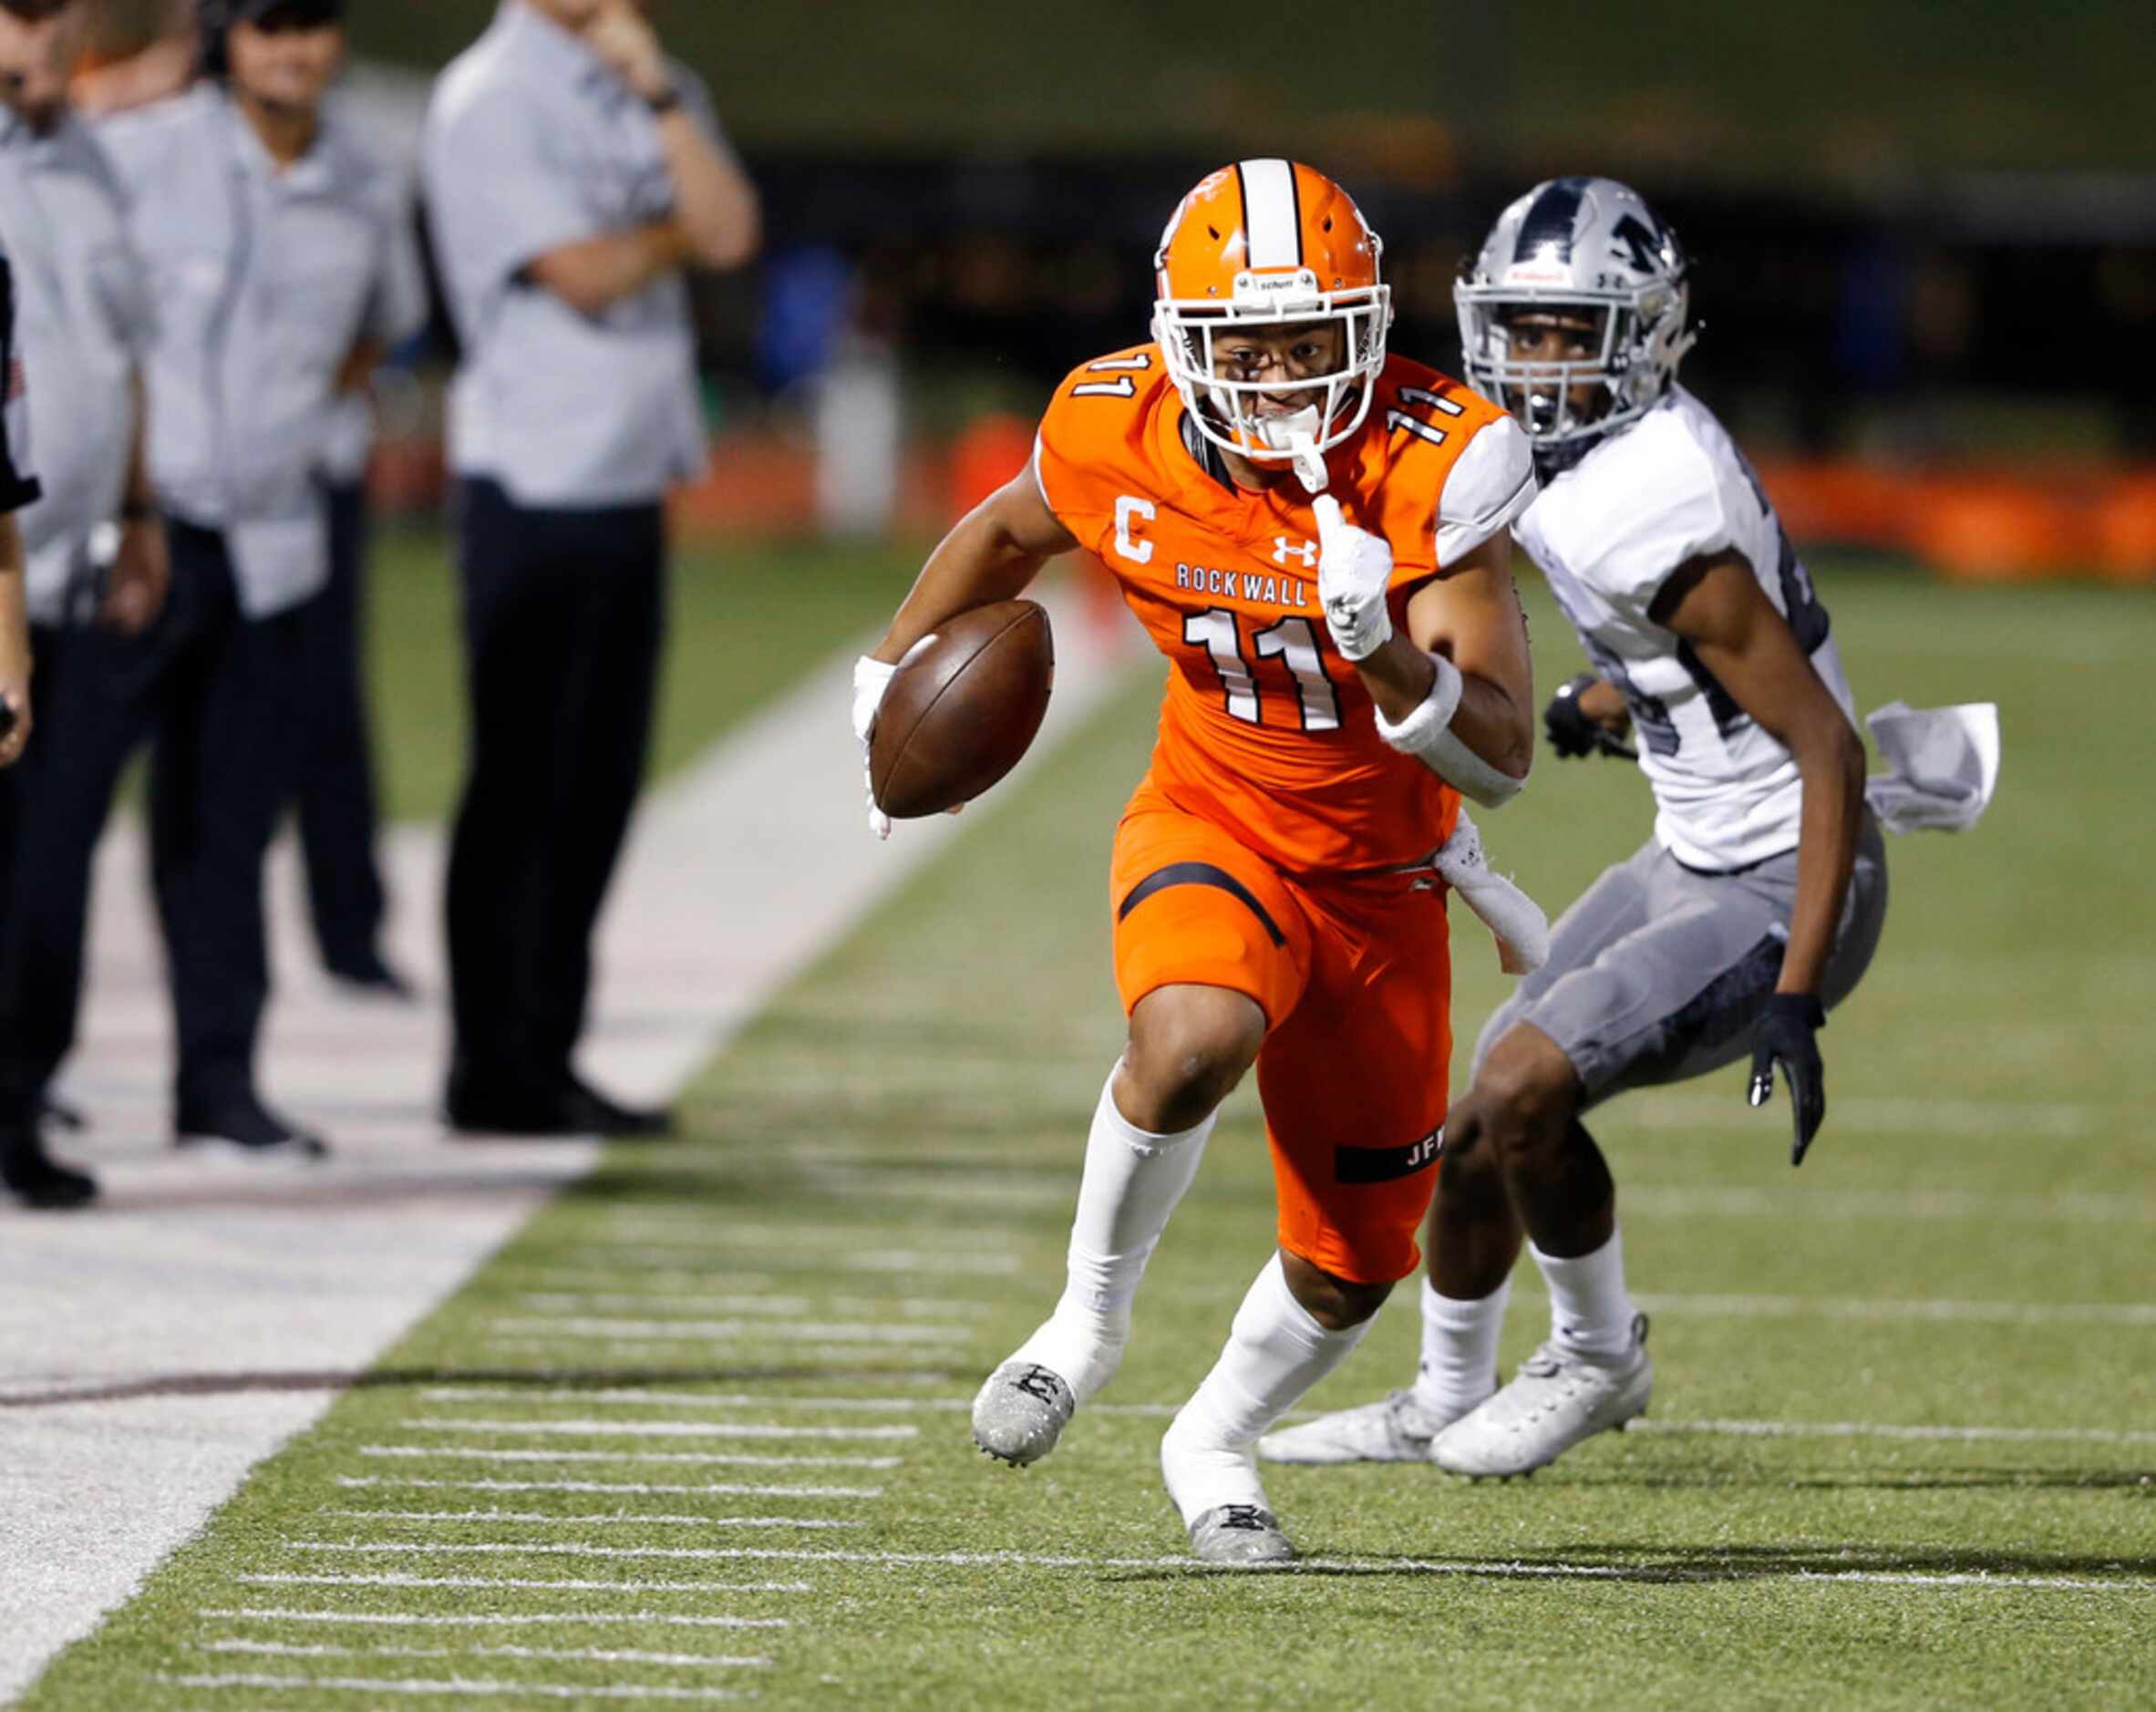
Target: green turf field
x,y
743,622
699,1430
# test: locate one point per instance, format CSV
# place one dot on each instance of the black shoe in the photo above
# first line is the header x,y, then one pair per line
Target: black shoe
x,y
247,1124
369,977
565,1107
37,1179
511,1106
610,1117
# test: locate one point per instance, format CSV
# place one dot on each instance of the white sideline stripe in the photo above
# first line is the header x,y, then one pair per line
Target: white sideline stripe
x,y
754,1302
454,1686
735,1331
700,1458
399,1620
1941,1204
545,1520
715,1489
1918,1308
566,1655
291,1577
657,1428
868,1260
1353,1566
1876,1429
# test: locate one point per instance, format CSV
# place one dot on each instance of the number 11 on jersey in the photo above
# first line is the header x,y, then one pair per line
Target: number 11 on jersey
x,y
1291,640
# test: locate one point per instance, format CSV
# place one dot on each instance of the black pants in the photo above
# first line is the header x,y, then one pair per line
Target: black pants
x,y
562,616
228,741
219,694
338,817
98,697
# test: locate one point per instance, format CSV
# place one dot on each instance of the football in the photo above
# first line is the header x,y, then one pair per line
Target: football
x,y
965,705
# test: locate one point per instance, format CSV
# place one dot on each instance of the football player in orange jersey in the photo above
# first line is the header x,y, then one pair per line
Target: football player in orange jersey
x,y
1314,534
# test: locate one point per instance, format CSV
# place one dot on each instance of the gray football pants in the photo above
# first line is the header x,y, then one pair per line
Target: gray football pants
x,y
1658,973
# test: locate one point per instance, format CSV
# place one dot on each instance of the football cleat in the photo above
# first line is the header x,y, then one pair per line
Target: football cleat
x,y
1244,1535
1558,1397
1021,1411
1397,1429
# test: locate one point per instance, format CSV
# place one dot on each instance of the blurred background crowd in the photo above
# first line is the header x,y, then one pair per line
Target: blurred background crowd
x,y
1924,244
1925,236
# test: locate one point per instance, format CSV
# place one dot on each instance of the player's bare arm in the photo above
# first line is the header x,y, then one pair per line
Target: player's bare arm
x,y
1469,614
1466,620
1717,604
992,554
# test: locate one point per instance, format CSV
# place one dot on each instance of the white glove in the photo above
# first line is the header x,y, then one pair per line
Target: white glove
x,y
1516,920
1354,573
871,679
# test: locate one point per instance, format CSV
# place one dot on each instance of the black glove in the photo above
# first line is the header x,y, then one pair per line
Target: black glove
x,y
1571,733
1785,1037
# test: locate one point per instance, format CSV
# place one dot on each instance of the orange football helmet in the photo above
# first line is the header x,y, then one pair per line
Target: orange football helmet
x,y
1271,241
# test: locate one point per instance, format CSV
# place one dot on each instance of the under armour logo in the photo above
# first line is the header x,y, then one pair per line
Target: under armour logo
x,y
1283,550
1039,1382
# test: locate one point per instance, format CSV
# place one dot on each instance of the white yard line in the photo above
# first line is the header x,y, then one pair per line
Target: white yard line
x,y
459,1687
656,1428
265,1287
697,1458
735,1331
1468,1567
1777,1307
294,1578
1880,1429
776,1305
631,1258
639,1398
1690,1200
565,1655
640,1489
465,1620
546,1520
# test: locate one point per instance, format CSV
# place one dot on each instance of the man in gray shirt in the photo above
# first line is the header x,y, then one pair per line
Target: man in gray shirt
x,y
280,265
84,323
573,173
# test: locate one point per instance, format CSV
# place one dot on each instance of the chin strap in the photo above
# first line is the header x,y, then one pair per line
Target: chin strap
x,y
1426,734
1309,462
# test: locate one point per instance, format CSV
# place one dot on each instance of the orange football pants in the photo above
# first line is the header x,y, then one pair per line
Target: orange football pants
x,y
1355,976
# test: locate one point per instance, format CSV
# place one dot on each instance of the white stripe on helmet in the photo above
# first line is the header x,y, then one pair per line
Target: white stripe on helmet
x,y
1273,232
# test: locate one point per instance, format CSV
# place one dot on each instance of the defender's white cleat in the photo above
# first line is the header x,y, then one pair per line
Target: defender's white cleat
x,y
1396,1428
1557,1399
1021,1411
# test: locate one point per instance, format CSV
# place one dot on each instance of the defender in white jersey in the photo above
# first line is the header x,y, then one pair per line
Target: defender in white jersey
x,y
1756,904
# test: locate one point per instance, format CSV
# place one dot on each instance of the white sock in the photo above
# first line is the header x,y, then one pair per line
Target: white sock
x,y
1131,1182
1459,1368
1590,1310
1275,1353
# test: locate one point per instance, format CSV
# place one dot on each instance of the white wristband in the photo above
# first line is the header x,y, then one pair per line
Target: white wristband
x,y
1426,734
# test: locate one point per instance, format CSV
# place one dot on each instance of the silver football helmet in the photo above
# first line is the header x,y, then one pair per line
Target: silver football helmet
x,y
1592,247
